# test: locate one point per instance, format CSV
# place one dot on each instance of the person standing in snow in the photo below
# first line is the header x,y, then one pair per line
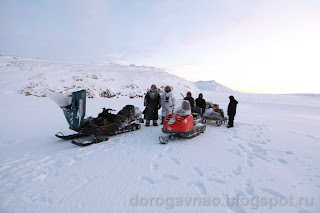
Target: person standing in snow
x,y
152,102
167,102
190,99
232,109
201,103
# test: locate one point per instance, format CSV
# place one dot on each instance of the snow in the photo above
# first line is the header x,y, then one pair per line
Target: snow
x,y
39,78
62,99
272,153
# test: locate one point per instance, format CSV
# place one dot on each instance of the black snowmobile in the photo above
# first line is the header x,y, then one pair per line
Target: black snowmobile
x,y
74,109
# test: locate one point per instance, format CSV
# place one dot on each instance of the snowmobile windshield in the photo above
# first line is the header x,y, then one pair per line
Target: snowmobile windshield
x,y
62,99
182,107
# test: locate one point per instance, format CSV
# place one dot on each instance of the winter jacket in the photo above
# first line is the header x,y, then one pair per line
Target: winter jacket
x,y
191,100
152,102
232,107
200,102
167,99
167,102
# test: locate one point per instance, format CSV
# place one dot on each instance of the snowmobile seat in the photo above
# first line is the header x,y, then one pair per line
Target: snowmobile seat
x,y
197,110
126,115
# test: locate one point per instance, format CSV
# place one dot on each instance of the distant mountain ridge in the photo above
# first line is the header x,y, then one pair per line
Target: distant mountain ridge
x,y
212,86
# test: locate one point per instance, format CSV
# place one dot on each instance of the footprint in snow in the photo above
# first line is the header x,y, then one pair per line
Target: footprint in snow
x,y
250,155
168,149
257,149
258,141
154,166
272,192
236,136
241,146
268,140
248,187
171,177
281,160
147,179
236,208
237,171
235,151
158,156
250,163
199,186
175,160
198,171
217,180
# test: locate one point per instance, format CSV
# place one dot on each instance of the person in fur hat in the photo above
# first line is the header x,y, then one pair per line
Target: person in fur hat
x,y
152,102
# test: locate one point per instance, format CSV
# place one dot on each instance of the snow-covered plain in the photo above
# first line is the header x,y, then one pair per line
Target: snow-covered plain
x,y
269,162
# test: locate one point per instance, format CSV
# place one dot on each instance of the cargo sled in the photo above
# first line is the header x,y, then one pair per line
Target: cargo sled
x,y
214,113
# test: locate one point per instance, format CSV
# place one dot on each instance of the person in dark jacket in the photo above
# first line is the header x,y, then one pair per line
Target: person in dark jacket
x,y
190,99
152,102
232,109
200,102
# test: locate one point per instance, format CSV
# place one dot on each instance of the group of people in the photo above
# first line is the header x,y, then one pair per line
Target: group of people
x,y
153,101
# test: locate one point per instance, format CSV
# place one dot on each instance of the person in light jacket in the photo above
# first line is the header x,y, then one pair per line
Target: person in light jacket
x,y
167,102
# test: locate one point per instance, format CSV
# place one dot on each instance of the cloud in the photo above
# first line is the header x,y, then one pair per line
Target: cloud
x,y
211,37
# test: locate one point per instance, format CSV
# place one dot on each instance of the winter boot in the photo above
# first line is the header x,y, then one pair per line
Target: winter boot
x,y
162,120
148,123
155,123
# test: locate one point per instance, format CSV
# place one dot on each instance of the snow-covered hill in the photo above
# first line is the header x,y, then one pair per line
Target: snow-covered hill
x,y
213,87
37,77
269,162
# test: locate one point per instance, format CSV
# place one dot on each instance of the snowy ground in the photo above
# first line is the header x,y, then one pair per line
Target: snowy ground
x,y
269,162
272,153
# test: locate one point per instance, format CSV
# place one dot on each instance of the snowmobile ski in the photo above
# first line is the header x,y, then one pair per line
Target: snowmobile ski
x,y
167,139
69,137
88,143
173,137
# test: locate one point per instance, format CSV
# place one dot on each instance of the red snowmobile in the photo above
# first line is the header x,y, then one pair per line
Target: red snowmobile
x,y
182,123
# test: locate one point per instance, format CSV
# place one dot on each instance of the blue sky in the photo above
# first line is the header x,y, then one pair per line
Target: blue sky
x,y
252,46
